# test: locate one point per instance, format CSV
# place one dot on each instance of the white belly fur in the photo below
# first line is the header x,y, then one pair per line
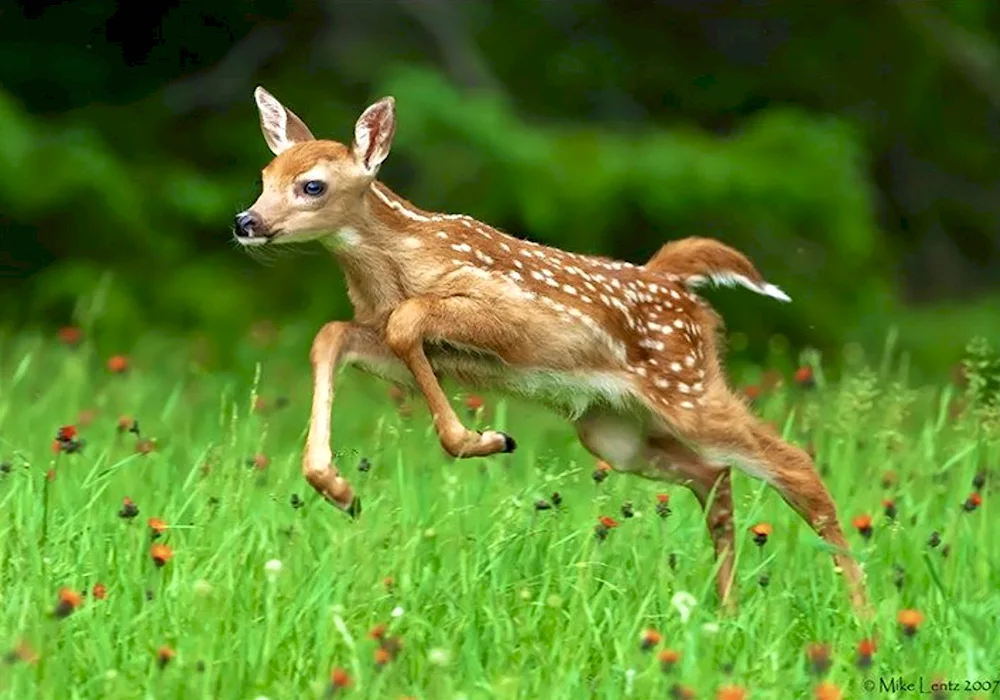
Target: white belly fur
x,y
571,393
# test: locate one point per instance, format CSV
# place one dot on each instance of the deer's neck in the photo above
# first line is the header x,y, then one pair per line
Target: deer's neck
x,y
382,253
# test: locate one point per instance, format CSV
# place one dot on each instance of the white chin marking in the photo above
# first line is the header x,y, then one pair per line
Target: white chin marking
x,y
247,241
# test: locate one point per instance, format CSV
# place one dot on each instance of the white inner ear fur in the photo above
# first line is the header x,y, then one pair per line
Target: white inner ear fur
x,y
273,120
373,134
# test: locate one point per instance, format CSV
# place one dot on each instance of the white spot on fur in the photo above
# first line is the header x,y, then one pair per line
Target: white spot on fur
x,y
348,236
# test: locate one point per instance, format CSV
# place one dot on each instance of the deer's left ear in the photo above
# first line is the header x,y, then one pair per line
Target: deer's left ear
x,y
281,128
373,134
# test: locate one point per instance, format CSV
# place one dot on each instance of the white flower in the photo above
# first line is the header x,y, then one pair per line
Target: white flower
x,y
439,656
629,680
683,602
273,568
397,612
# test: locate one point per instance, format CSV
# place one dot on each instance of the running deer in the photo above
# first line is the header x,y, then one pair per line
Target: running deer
x,y
629,353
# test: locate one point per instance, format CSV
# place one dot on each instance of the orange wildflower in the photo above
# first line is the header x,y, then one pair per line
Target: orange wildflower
x,y
608,522
866,647
382,656
157,527
377,632
752,392
164,655
100,591
473,402
668,658
649,639
760,532
731,692
910,621
863,524
827,691
69,600
161,554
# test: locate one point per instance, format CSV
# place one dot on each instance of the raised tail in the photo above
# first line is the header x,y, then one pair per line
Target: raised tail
x,y
700,261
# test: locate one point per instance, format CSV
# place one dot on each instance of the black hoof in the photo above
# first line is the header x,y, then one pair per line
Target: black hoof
x,y
354,510
509,445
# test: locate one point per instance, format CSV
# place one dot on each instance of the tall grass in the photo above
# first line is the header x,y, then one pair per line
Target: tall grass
x,y
489,596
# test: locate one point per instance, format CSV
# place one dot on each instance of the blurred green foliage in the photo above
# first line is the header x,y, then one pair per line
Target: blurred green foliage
x,y
806,137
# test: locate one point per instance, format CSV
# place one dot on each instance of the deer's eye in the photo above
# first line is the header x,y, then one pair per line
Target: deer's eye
x,y
314,188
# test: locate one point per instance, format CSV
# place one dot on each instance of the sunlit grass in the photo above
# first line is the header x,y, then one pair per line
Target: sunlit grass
x,y
489,597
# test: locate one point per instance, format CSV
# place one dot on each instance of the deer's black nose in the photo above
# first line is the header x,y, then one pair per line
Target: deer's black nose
x,y
247,225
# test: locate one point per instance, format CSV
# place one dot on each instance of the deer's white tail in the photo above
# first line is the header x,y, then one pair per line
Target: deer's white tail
x,y
701,261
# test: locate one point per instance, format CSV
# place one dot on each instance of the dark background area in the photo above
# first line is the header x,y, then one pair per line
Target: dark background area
x,y
850,148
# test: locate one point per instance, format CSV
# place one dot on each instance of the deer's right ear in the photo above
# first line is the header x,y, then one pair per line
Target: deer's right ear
x,y
373,134
281,128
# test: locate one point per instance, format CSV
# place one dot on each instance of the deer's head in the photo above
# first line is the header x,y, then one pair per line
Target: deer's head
x,y
312,187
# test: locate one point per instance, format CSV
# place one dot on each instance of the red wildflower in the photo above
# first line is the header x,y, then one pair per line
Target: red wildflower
x,y
339,678
608,522
473,402
377,632
804,376
100,591
866,647
863,524
69,600
144,446
161,554
127,424
66,433
118,364
752,392
973,501
70,335
663,498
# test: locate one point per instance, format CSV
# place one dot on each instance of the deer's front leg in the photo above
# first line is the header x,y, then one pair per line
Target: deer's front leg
x,y
410,324
335,343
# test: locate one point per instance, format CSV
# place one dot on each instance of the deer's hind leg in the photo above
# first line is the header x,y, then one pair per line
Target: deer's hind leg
x,y
624,443
723,429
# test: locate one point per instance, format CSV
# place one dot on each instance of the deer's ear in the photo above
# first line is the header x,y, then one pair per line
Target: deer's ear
x,y
281,128
373,134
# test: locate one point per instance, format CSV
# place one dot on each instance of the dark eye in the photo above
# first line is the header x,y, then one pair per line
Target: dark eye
x,y
314,188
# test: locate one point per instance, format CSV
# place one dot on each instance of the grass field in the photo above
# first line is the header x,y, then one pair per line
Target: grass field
x,y
488,596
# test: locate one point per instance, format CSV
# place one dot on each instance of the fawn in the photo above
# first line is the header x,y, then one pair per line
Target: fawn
x,y
627,352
